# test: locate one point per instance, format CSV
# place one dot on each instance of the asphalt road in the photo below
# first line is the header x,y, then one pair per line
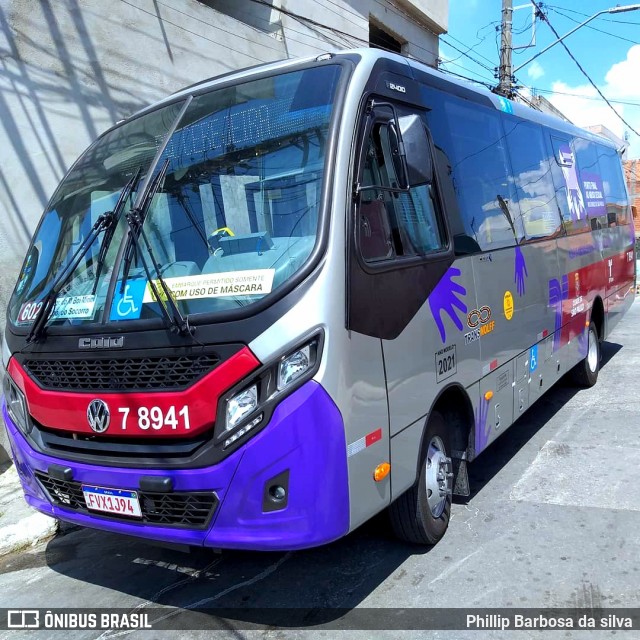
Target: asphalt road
x,y
553,521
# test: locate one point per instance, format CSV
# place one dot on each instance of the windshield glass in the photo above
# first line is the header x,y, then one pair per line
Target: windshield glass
x,y
236,214
90,189
233,216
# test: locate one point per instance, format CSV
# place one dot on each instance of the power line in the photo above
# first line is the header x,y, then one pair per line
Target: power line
x,y
465,53
472,48
586,15
588,26
577,95
545,18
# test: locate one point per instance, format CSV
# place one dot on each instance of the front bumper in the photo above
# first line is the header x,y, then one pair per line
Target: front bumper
x,y
304,437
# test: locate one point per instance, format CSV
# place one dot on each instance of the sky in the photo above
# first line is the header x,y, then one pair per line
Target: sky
x,y
608,49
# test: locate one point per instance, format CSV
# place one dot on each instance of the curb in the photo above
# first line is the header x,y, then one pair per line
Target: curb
x,y
20,525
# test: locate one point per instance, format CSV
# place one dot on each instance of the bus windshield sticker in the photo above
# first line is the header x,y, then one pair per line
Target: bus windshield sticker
x,y
74,307
127,304
446,296
252,282
446,363
67,308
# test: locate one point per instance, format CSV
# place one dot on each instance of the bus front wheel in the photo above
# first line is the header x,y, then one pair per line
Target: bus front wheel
x,y
421,514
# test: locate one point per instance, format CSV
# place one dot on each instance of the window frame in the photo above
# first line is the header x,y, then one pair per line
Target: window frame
x,y
367,121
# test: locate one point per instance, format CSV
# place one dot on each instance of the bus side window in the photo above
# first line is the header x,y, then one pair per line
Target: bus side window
x,y
564,171
475,146
615,193
393,224
532,180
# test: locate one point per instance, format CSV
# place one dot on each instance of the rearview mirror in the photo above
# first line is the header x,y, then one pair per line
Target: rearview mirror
x,y
417,150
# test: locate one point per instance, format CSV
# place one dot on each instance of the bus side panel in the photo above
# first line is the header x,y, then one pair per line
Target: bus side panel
x,y
359,384
431,352
620,272
514,283
583,279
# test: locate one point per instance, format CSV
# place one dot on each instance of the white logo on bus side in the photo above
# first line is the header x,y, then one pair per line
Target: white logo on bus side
x,y
397,87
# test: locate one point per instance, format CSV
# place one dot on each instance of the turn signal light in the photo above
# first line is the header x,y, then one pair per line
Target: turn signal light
x,y
381,471
488,395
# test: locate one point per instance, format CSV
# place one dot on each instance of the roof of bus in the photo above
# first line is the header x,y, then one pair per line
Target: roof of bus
x,y
369,57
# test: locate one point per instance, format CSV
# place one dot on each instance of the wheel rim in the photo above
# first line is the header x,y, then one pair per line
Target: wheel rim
x,y
437,477
592,354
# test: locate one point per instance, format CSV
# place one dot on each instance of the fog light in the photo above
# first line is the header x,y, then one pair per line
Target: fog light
x,y
277,493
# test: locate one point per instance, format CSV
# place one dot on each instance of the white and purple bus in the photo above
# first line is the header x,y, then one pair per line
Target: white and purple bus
x,y
261,311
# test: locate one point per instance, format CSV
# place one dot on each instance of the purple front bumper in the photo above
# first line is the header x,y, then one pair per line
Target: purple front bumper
x,y
305,436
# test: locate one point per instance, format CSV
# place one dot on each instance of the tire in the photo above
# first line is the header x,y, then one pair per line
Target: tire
x,y
420,516
585,373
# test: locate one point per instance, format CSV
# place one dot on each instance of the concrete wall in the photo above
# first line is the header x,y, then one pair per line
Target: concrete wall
x,y
69,69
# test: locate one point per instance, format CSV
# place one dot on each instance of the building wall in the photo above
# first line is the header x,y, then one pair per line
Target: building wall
x,y
69,69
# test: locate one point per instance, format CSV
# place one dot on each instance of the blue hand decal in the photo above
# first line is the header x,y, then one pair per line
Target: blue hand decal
x,y
482,429
444,297
520,271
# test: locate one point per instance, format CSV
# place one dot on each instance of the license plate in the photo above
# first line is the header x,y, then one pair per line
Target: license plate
x,y
117,501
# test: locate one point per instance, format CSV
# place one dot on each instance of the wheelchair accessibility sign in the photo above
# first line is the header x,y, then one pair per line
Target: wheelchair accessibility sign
x,y
127,304
533,358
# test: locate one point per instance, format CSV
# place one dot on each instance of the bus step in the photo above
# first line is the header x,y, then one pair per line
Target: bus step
x,y
461,485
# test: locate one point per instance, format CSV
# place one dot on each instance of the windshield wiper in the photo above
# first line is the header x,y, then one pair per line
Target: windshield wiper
x,y
135,219
141,211
176,320
104,222
108,236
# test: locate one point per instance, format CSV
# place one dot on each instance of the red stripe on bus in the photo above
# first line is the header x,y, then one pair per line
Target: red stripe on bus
x,y
67,411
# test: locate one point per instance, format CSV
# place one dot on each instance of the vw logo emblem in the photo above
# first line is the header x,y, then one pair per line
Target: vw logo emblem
x,y
98,415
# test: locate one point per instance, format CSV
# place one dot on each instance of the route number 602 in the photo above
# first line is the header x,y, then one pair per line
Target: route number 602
x,y
154,418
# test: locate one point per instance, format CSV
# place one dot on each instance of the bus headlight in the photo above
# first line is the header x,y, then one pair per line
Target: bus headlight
x,y
240,406
16,405
248,406
294,366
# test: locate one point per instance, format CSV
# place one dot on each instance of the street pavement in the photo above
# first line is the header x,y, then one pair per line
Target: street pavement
x,y
553,521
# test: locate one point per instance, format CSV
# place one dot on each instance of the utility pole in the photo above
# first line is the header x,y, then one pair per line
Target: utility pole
x,y
505,84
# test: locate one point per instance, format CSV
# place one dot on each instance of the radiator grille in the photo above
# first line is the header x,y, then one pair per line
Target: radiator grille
x,y
126,374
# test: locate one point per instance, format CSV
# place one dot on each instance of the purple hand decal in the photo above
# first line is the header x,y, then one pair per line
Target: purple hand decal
x,y
520,271
557,293
482,429
444,297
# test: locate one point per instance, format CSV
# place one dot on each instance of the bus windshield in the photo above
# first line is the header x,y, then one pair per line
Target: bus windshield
x,y
233,216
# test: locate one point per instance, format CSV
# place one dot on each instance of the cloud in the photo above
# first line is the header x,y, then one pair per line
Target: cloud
x,y
535,70
622,82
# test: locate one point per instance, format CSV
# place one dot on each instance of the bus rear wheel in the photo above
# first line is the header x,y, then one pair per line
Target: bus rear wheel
x,y
421,514
585,373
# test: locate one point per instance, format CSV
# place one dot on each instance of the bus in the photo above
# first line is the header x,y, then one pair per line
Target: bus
x,y
280,301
